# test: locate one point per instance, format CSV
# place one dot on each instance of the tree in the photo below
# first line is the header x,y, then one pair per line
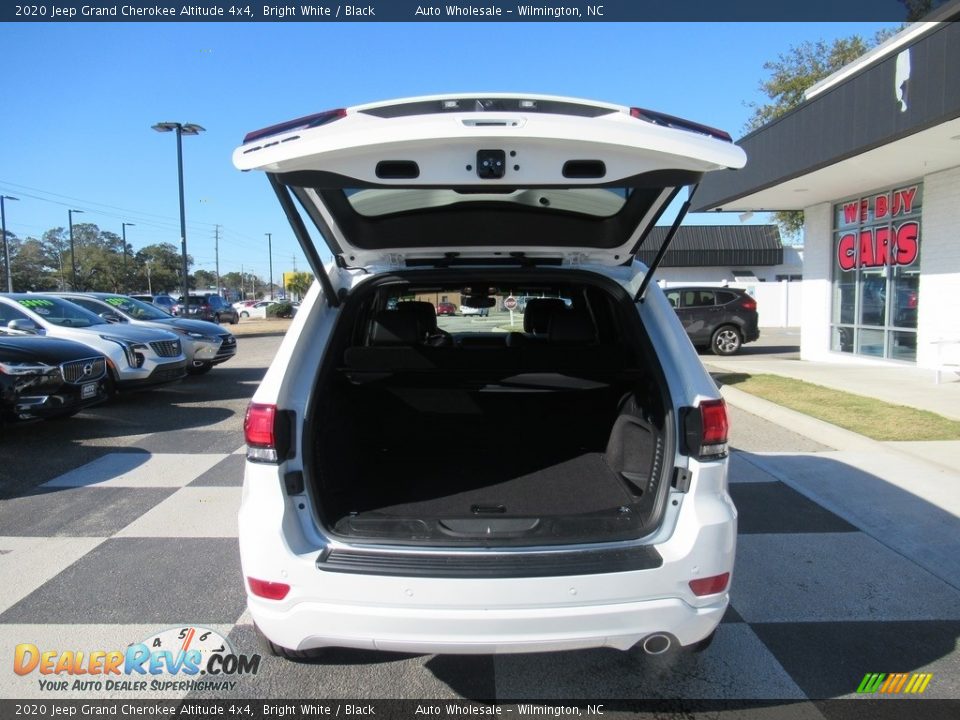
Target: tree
x,y
204,279
791,74
56,246
299,283
159,268
30,266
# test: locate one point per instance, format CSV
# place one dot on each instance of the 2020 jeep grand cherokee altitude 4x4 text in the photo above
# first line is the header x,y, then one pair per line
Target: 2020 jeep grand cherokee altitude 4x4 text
x,y
379,511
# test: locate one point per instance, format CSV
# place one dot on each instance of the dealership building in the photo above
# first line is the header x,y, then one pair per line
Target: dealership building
x,y
872,158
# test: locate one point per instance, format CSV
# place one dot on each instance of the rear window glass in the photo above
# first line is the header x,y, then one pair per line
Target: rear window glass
x,y
697,298
724,297
596,202
454,315
135,308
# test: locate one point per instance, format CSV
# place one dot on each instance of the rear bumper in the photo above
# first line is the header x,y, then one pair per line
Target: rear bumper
x,y
483,614
484,630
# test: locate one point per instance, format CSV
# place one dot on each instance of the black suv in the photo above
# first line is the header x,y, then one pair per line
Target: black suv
x,y
724,318
209,306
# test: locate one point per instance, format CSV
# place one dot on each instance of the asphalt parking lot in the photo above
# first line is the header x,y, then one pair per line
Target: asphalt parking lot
x,y
120,523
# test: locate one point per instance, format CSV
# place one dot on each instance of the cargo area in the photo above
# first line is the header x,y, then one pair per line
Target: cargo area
x,y
550,435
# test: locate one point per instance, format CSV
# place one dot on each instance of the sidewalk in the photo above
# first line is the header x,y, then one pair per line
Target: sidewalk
x,y
904,494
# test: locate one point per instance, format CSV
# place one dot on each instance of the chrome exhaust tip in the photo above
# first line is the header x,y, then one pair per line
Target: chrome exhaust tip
x,y
656,644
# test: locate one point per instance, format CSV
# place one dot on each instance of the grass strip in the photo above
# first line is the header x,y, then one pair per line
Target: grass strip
x,y
874,418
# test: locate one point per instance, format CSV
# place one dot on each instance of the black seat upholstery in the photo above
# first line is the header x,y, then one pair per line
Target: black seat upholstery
x,y
536,315
390,327
426,315
571,328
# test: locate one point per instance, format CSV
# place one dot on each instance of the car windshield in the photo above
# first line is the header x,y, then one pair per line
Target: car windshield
x,y
135,309
60,312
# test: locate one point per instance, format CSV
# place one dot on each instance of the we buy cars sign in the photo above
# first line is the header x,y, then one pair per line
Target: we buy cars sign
x,y
888,242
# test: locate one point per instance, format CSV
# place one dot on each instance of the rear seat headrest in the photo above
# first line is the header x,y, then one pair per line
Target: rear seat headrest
x,y
390,327
571,328
424,311
536,315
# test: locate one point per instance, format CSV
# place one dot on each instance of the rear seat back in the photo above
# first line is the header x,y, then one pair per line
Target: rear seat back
x,y
569,342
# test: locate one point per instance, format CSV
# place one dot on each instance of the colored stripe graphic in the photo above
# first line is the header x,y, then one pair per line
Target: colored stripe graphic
x,y
894,683
870,682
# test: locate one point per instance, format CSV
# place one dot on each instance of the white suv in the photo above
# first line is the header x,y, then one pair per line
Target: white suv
x,y
417,488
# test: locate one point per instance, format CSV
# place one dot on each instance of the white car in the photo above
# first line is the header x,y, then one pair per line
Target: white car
x,y
204,343
257,310
479,312
372,517
136,357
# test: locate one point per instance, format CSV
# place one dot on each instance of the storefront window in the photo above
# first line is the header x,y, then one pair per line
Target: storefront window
x,y
876,273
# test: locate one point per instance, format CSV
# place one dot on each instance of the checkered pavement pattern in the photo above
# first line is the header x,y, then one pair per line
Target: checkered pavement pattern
x,y
136,542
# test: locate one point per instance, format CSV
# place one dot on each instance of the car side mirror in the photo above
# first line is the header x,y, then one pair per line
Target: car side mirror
x,y
111,317
22,325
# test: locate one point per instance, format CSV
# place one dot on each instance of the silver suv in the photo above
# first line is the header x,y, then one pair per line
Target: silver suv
x,y
438,485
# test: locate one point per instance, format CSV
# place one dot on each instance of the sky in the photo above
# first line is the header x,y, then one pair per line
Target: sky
x,y
80,99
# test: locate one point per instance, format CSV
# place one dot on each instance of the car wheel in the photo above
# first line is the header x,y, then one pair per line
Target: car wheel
x,y
235,319
199,369
216,318
726,340
244,314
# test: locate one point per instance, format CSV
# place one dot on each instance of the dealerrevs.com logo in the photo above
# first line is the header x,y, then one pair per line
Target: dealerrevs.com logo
x,y
170,660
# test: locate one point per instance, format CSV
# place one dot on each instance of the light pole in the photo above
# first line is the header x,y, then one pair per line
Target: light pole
x,y
73,255
181,130
124,227
6,245
270,254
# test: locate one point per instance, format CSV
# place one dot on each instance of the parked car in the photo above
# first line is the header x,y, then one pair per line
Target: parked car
x,y
164,302
204,343
723,318
375,514
479,312
44,377
136,357
208,306
257,310
241,304
446,308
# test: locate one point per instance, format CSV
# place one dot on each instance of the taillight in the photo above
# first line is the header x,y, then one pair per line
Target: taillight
x,y
308,121
710,585
267,589
671,121
748,303
713,428
259,431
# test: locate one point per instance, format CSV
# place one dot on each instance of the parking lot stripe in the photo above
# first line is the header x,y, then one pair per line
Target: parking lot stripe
x,y
138,470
